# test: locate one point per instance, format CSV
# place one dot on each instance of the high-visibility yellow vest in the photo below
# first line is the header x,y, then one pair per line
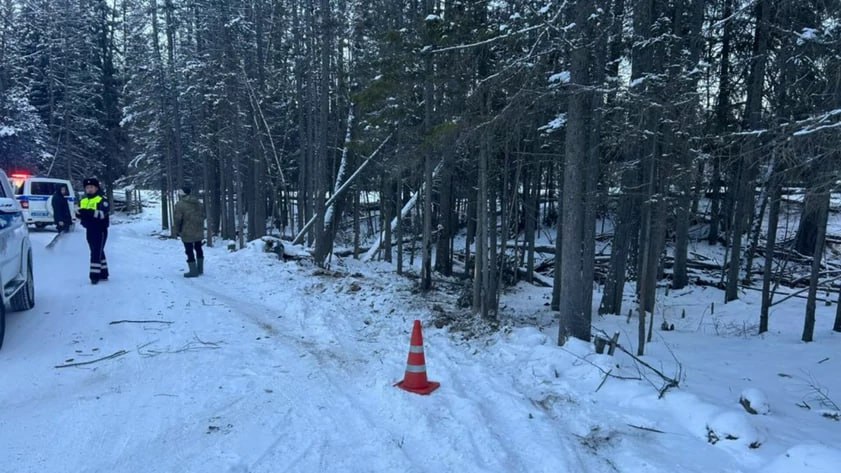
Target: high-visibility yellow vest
x,y
90,203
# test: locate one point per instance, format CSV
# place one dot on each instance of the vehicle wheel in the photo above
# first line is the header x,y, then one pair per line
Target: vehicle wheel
x,y
25,297
2,322
40,226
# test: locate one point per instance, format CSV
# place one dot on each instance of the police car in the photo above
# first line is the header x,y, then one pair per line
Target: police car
x,y
16,281
35,196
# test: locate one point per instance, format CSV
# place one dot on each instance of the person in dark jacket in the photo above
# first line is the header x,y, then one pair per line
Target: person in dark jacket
x,y
93,214
61,210
189,226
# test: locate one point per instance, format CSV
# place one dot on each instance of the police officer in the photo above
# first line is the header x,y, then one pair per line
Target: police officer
x,y
93,215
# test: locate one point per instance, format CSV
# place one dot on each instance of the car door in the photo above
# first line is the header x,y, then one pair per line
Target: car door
x,y
12,232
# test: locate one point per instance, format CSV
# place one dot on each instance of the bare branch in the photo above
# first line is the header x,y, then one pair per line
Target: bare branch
x,y
83,363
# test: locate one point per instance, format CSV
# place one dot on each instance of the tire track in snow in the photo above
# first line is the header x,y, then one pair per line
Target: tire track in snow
x,y
329,367
435,432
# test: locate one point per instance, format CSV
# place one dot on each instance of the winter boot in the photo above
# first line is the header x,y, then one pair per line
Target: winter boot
x,y
200,266
193,271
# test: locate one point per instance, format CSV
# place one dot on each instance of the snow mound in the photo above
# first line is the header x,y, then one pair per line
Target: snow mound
x,y
813,458
297,251
733,426
755,402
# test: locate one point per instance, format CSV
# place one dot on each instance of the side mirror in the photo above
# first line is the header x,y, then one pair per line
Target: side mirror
x,y
8,206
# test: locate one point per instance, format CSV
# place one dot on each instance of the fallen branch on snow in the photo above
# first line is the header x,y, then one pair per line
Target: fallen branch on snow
x,y
115,322
83,363
647,429
669,382
607,374
194,345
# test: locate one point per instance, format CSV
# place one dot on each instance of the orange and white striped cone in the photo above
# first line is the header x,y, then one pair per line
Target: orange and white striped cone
x,y
415,378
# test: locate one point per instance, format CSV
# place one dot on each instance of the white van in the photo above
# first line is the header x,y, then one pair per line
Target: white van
x,y
35,196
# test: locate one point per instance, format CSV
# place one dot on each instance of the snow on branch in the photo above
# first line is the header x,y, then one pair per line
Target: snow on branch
x,y
560,78
815,124
556,124
508,34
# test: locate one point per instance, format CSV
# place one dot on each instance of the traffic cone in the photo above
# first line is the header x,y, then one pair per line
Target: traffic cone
x,y
415,379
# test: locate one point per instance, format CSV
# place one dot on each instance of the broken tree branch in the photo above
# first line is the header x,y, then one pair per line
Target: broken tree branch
x,y
648,429
403,213
669,382
115,322
83,363
341,189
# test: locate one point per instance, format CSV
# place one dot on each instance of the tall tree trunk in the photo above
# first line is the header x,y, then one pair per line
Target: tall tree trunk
x,y
765,195
443,255
323,240
399,226
174,115
479,259
809,322
807,230
428,97
715,201
168,167
491,264
615,283
680,277
686,118
356,229
559,226
530,216
722,116
594,156
770,246
744,202
644,261
745,169
574,315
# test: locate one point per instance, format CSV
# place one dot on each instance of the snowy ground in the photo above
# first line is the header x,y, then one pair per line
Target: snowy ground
x,y
266,366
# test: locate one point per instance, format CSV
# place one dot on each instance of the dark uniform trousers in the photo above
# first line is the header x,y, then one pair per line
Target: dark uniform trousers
x,y
96,242
193,251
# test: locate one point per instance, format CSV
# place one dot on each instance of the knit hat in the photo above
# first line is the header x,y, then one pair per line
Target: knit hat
x,y
91,181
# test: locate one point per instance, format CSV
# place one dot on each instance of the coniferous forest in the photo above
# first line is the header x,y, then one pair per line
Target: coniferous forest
x,y
561,143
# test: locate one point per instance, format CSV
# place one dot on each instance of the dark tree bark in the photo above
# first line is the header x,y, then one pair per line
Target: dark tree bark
x,y
615,283
428,98
529,216
574,315
722,117
446,219
388,207
770,246
323,240
743,181
809,322
807,230
594,156
687,25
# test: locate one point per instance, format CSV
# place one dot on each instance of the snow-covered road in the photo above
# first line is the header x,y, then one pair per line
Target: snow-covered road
x,y
257,366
